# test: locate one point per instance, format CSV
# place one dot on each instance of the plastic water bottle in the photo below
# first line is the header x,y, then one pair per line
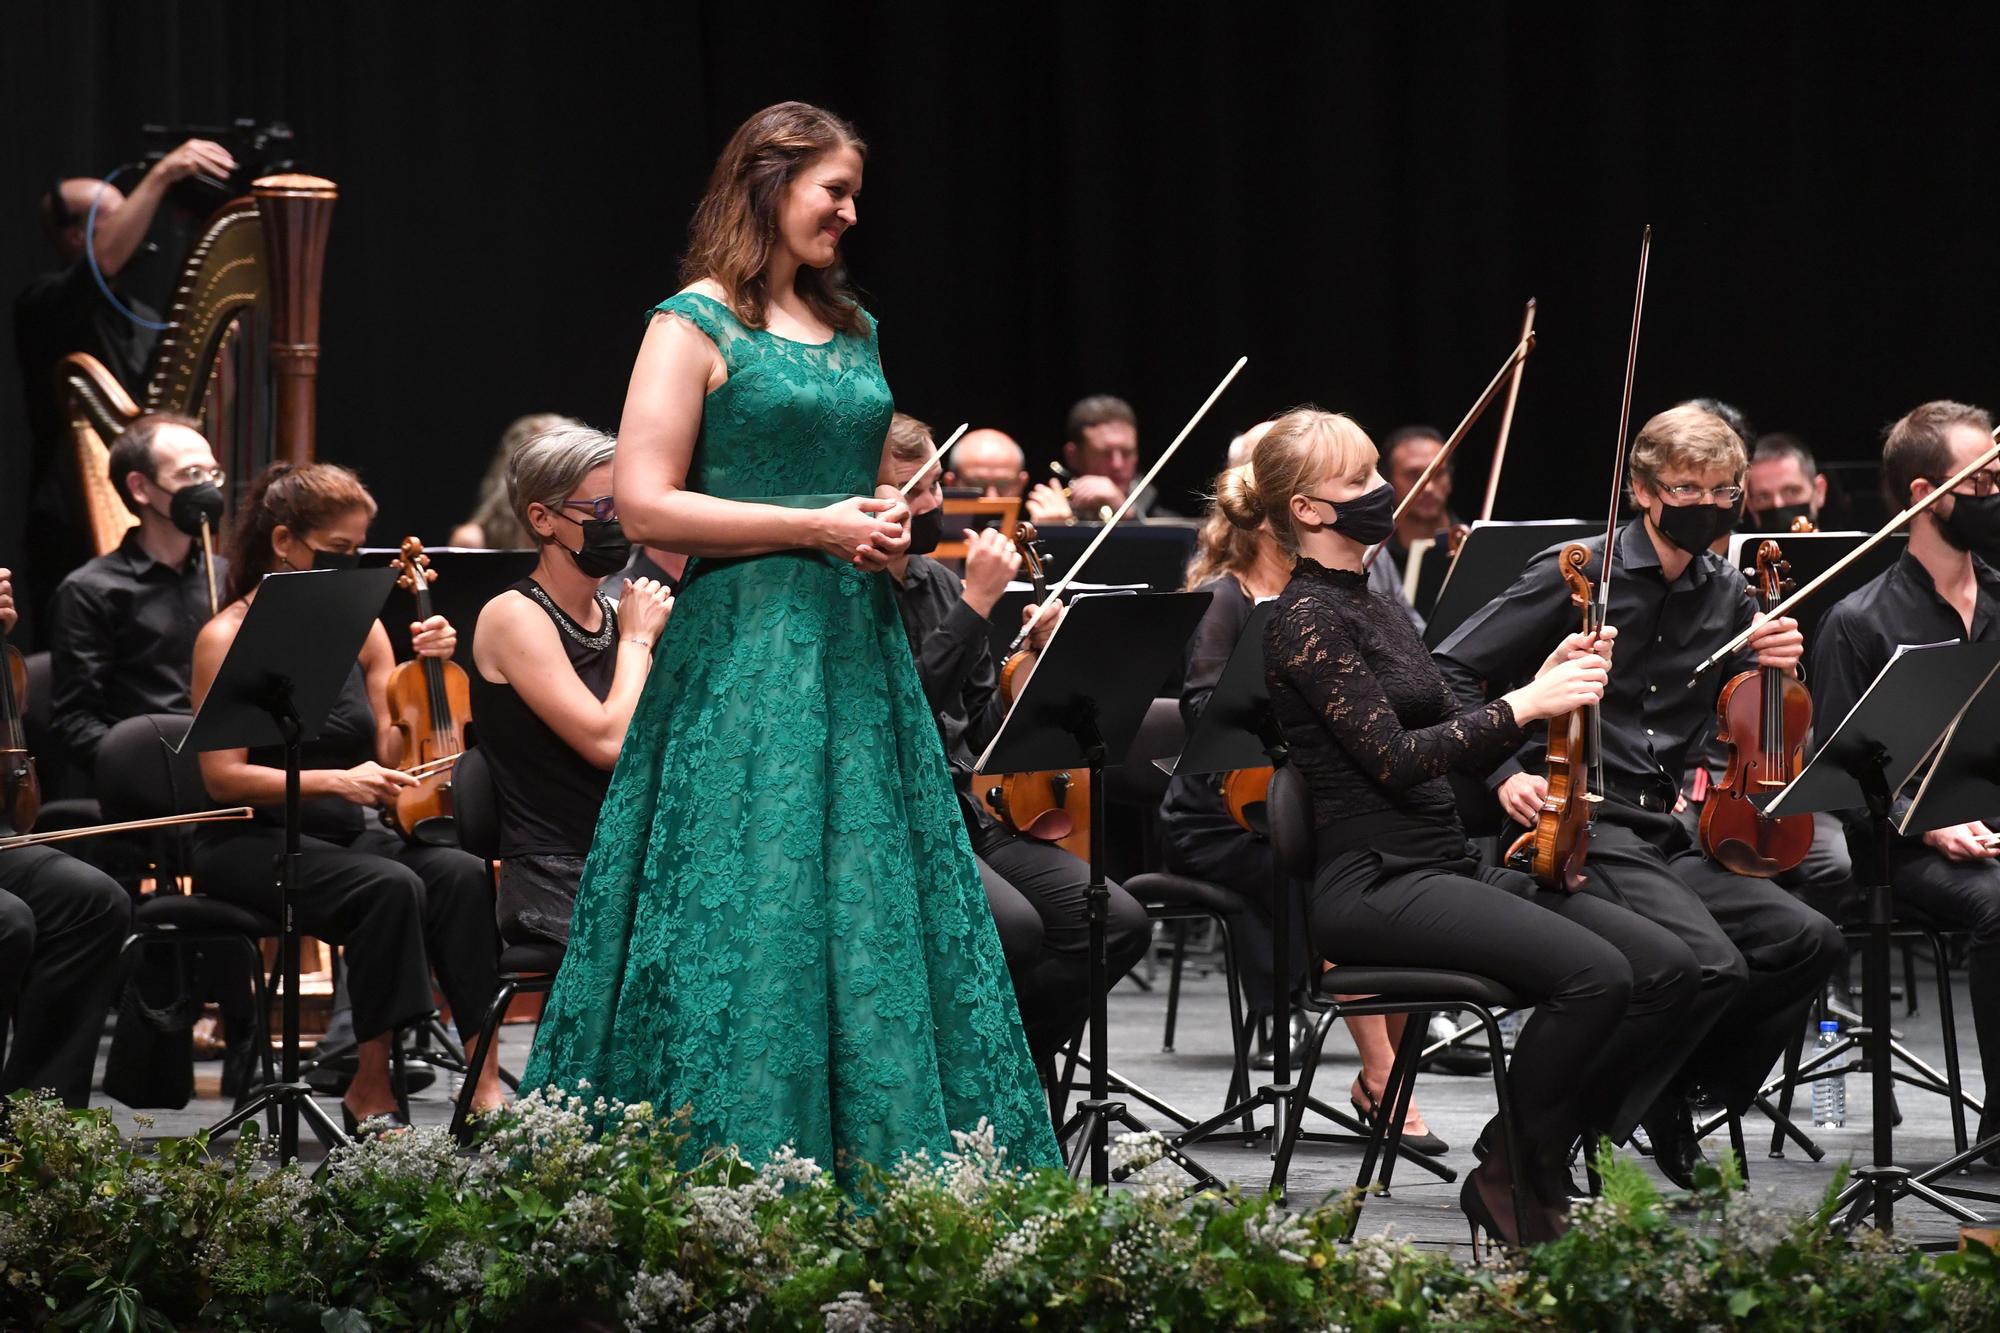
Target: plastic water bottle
x,y
1829,1094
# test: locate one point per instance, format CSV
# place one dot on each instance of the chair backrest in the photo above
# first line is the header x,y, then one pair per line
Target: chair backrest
x,y
475,804
140,777
1288,810
1160,736
40,712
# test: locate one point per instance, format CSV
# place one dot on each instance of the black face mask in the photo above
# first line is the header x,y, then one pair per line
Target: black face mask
x,y
1368,518
1694,528
605,549
336,559
1776,519
1973,525
191,504
926,531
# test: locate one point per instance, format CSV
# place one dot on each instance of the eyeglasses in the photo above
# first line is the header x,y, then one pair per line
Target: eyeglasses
x,y
1979,483
194,474
604,508
1687,493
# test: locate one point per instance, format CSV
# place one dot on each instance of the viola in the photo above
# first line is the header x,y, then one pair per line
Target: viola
x,y
1763,716
19,783
1053,805
1560,841
430,701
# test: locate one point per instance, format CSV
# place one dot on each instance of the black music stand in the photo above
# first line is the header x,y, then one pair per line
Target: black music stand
x,y
1811,554
1236,729
298,642
1891,730
1082,707
1961,785
1490,558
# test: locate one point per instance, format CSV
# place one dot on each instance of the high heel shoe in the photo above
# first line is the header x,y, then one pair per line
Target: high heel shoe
x,y
389,1122
1430,1145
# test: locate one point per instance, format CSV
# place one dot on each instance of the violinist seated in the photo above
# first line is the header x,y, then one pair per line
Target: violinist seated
x,y
1410,450
123,625
1762,954
557,670
398,910
1373,729
61,925
1239,563
1036,889
1944,588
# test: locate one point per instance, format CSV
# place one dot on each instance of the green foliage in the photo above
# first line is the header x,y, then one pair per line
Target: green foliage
x,y
568,1213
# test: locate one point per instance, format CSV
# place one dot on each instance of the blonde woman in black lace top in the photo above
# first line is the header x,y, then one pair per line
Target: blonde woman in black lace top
x,y
1373,729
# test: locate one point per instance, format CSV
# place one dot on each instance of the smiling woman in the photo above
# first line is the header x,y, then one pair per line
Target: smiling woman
x,y
780,925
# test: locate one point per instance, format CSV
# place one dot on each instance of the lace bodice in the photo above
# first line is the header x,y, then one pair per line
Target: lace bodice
x,y
1372,726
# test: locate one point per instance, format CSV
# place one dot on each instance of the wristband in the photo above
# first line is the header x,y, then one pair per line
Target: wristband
x,y
647,644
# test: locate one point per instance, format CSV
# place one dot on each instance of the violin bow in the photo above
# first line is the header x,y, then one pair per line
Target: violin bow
x,y
936,454
1601,612
1511,366
8,844
1784,608
1507,419
1063,583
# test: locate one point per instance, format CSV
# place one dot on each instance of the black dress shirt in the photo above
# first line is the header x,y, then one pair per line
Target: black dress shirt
x,y
1652,716
1369,722
1898,607
123,643
955,663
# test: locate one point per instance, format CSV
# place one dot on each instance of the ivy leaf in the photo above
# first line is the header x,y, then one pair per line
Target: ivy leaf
x,y
1742,1302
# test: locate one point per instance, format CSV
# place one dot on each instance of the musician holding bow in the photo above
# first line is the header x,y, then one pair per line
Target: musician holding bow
x,y
1944,588
1761,953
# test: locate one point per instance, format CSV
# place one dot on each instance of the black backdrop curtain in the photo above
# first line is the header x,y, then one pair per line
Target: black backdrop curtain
x,y
1074,198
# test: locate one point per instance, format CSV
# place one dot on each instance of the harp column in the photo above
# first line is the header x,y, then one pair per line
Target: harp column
x,y
296,212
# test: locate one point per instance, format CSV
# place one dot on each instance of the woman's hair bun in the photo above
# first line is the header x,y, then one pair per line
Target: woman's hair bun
x,y
1236,495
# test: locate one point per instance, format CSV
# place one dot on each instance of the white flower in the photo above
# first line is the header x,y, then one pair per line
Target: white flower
x,y
654,1295
1280,1232
849,1312
585,1224
458,1267
1130,1152
785,1167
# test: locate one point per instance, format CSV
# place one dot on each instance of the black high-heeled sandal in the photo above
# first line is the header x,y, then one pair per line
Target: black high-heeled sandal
x,y
388,1122
1430,1145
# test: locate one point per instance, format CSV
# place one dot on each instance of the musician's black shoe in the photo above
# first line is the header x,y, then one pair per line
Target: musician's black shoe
x,y
1676,1150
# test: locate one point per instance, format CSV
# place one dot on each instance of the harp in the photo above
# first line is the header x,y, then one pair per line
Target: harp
x,y
240,352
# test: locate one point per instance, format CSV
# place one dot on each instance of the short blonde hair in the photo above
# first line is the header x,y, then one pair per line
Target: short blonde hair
x,y
1303,447
1687,437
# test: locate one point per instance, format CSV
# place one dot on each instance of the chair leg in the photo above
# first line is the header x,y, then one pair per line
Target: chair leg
x,y
1174,984
1948,1021
1294,1121
489,1033
1239,1031
1910,978
1396,1098
1793,1052
1736,1145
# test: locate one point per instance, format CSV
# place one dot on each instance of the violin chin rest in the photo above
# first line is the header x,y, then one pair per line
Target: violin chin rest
x,y
1739,856
1051,826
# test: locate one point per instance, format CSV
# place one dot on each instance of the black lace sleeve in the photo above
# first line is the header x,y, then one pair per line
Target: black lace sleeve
x,y
1318,657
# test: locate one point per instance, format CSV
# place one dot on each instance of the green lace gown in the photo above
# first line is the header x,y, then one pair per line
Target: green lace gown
x,y
780,926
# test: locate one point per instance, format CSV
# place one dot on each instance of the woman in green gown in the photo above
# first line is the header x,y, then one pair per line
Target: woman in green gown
x,y
781,929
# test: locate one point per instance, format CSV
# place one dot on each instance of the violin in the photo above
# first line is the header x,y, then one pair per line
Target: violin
x,y
431,701
1763,716
1053,805
1804,523
1560,841
19,783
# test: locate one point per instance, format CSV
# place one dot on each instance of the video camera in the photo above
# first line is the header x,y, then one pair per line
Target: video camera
x,y
259,150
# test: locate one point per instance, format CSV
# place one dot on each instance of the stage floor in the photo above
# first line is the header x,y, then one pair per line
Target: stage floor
x,y
1194,1076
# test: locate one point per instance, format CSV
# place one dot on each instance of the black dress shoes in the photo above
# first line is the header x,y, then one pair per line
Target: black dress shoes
x,y
1676,1150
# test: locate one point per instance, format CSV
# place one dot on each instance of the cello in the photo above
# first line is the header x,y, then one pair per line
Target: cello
x,y
431,701
1763,716
18,780
1050,806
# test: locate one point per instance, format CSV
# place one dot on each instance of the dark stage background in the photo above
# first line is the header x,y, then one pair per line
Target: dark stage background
x,y
1070,198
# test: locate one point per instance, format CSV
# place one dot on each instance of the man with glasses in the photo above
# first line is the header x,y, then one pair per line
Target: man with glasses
x,y
1762,954
1944,588
123,625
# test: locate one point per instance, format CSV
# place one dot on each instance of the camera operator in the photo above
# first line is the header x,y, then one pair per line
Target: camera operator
x,y
65,311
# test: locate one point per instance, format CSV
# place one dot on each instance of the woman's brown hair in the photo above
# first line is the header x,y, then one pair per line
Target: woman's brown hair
x,y
1229,535
303,498
736,224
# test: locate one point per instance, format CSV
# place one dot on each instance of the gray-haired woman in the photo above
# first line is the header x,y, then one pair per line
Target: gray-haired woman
x,y
557,671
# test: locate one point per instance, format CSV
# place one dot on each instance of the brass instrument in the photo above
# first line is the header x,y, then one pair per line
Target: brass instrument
x,y
240,353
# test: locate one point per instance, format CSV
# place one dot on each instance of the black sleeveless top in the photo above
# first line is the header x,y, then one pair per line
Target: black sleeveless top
x,y
549,794
346,738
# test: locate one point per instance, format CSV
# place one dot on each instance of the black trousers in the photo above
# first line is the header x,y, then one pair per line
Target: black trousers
x,y
61,925
1763,955
397,911
1039,896
1965,895
1607,985
1231,857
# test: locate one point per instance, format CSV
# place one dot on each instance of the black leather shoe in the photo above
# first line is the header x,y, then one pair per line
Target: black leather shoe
x,y
1676,1150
